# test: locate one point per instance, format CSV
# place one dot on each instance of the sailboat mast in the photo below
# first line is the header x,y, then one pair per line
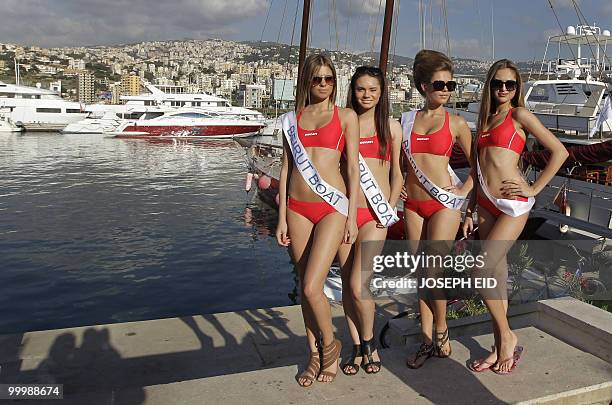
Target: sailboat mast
x,y
304,35
386,36
492,35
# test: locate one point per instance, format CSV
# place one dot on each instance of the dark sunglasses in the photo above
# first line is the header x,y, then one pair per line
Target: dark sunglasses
x,y
498,84
316,80
439,85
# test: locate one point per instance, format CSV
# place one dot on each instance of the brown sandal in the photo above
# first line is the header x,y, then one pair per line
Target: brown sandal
x,y
425,351
312,370
330,355
442,338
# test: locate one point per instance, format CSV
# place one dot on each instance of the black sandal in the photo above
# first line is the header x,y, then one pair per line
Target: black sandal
x,y
442,339
367,348
351,363
425,352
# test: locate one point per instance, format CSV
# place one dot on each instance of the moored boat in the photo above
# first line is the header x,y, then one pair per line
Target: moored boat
x,y
189,124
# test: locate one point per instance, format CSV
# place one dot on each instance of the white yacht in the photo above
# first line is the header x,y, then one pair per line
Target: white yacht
x,y
7,124
38,109
189,123
109,120
571,98
175,97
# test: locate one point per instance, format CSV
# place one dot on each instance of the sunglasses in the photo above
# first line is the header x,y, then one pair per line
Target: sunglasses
x,y
498,84
439,85
317,80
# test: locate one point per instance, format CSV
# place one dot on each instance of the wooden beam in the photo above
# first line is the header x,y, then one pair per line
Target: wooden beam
x,y
386,36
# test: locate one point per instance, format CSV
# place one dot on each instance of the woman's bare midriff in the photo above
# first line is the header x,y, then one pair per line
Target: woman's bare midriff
x,y
497,165
381,174
327,163
435,167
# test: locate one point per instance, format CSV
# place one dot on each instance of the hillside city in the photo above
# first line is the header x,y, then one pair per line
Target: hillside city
x,y
259,75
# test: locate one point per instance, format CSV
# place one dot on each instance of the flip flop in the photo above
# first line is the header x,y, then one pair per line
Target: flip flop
x,y
471,365
518,352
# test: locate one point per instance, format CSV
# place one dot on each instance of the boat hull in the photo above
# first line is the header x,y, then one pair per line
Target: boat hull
x,y
189,132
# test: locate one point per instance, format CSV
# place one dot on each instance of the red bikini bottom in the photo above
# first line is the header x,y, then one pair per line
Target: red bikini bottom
x,y
313,211
365,215
424,208
488,205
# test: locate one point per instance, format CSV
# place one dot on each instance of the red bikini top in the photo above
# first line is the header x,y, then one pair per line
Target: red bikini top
x,y
369,148
328,136
438,143
503,136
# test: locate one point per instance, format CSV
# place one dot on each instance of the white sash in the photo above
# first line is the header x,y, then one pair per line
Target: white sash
x,y
311,176
384,212
513,208
449,200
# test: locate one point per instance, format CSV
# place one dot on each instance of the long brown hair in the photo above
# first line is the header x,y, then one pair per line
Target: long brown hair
x,y
488,103
426,63
311,66
381,110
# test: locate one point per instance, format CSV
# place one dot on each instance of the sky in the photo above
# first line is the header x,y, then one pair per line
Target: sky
x,y
520,27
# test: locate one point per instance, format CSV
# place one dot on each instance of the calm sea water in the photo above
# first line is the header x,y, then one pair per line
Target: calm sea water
x,y
99,230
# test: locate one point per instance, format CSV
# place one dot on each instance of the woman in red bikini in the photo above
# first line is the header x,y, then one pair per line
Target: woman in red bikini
x,y
315,214
504,198
434,195
379,145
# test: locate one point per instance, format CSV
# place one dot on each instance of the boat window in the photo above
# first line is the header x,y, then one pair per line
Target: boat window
x,y
539,93
151,115
49,110
189,115
130,116
570,93
73,110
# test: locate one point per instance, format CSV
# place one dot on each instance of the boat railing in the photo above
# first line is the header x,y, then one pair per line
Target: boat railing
x,y
579,200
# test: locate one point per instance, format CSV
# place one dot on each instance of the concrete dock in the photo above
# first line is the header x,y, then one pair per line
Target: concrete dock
x,y
253,357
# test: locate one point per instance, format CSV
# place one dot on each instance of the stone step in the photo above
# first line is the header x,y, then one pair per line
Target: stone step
x,y
254,356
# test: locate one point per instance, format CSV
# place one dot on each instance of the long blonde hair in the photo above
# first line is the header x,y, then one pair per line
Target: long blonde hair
x,y
487,103
311,66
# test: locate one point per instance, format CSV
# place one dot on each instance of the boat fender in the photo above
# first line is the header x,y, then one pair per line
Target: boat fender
x,y
249,182
264,182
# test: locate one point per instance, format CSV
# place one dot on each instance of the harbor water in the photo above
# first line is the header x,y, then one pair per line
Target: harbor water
x,y
99,230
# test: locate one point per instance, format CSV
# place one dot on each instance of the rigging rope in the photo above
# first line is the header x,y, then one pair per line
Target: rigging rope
x,y
376,26
297,3
280,28
579,14
448,47
266,23
333,2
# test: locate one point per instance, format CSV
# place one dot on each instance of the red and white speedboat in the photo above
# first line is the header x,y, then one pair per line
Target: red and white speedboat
x,y
190,124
